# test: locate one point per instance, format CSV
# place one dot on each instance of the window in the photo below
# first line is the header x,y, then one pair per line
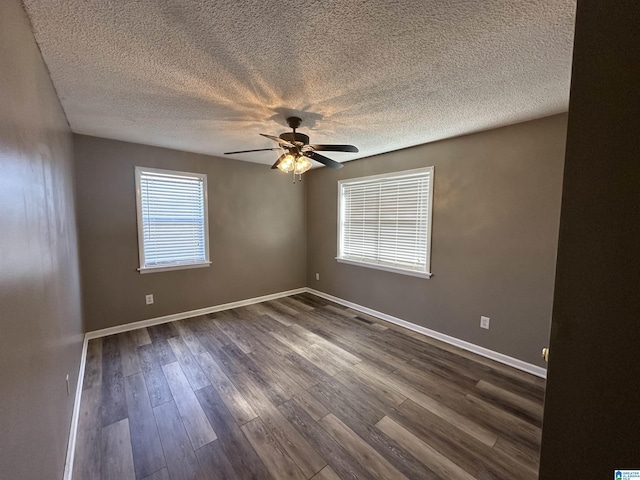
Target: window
x,y
173,231
384,221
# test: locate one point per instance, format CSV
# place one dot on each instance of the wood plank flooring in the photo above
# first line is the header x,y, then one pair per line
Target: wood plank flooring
x,y
300,388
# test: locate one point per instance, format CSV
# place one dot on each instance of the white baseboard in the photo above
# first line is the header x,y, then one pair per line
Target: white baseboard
x,y
75,416
484,352
71,445
191,313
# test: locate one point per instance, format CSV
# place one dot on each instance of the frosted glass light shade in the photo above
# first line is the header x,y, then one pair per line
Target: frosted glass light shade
x,y
302,165
287,163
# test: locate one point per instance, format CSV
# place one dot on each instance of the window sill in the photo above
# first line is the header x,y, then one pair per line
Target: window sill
x,y
173,267
385,268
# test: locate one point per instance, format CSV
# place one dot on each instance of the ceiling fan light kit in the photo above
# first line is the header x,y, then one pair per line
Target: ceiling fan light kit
x,y
298,151
298,165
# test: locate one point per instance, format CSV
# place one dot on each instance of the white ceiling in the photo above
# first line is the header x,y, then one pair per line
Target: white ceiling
x,y
208,76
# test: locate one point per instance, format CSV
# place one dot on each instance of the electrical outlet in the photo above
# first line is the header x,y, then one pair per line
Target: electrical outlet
x,y
68,388
484,322
149,298
317,276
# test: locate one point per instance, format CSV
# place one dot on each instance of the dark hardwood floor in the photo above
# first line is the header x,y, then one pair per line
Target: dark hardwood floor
x,y
300,388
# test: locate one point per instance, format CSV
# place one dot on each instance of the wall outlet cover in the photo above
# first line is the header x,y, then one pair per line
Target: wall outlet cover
x,y
317,276
149,299
484,322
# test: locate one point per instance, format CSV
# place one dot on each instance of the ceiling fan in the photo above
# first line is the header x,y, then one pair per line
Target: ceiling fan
x,y
297,150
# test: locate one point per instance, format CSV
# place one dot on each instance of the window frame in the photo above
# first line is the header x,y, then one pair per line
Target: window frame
x,y
373,179
141,252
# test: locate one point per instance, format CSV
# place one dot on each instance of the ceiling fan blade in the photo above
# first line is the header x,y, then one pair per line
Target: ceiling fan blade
x,y
324,160
335,148
284,143
248,151
280,158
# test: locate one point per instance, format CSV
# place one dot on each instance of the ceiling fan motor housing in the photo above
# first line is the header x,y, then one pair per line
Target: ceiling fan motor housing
x,y
295,137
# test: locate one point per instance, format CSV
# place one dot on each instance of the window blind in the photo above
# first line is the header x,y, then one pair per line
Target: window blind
x,y
172,212
386,221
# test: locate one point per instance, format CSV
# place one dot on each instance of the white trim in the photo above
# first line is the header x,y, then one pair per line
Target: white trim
x,y
484,352
376,266
191,313
382,176
471,347
174,267
75,416
71,445
432,172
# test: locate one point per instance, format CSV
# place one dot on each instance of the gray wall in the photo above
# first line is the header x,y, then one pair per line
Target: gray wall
x,y
592,406
256,222
495,228
40,316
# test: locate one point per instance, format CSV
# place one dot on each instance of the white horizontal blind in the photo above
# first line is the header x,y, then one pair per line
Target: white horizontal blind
x,y
172,211
385,221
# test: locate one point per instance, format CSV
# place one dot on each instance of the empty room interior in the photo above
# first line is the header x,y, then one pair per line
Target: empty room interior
x,y
319,240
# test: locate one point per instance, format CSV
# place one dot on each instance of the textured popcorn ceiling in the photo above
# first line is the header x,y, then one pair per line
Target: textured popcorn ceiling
x,y
208,76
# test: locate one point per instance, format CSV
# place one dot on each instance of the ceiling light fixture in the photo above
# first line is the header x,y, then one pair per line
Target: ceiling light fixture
x,y
296,163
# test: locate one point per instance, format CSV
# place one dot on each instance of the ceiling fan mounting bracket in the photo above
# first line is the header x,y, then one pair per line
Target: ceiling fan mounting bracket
x,y
294,122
